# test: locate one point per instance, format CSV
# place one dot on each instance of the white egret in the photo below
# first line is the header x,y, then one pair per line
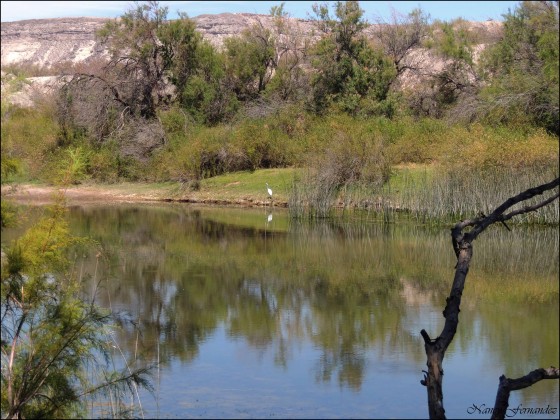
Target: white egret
x,y
269,191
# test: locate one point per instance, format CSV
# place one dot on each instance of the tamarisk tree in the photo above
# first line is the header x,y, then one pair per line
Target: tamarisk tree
x,y
463,235
56,346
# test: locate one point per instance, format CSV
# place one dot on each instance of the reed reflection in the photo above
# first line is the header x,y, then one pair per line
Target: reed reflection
x,y
355,291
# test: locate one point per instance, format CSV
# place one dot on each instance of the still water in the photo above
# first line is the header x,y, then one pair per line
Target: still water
x,y
252,315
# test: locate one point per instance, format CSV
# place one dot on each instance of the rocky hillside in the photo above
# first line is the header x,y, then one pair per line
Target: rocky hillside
x,y
48,42
45,42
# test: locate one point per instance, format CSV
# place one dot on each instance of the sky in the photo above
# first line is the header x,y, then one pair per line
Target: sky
x,y
442,10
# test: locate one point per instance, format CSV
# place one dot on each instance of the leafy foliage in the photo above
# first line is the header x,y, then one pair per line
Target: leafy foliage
x,y
27,137
455,42
348,70
51,336
206,95
523,68
249,62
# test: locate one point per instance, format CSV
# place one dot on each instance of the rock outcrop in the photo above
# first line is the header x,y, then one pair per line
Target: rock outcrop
x,y
47,42
50,42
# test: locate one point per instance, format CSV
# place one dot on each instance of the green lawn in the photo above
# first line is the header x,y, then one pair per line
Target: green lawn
x,y
247,185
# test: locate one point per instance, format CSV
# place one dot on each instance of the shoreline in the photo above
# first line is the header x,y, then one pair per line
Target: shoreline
x,y
99,193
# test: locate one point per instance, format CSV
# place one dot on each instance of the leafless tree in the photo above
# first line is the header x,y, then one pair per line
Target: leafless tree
x,y
120,98
90,103
462,245
291,55
399,37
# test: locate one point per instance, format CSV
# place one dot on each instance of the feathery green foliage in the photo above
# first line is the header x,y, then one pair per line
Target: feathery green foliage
x,y
350,72
51,336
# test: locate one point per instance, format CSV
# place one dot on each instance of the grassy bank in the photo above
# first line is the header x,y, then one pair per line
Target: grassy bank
x,y
418,192
431,193
424,168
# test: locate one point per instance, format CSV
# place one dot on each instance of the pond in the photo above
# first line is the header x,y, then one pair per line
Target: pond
x,y
254,315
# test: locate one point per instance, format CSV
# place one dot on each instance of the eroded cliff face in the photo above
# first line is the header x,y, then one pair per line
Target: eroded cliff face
x,y
48,42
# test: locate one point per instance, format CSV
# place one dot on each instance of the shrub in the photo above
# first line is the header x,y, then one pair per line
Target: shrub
x,y
26,136
107,165
417,140
481,147
346,155
523,68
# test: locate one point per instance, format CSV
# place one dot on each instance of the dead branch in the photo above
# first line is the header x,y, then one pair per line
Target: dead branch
x,y
462,246
507,385
79,77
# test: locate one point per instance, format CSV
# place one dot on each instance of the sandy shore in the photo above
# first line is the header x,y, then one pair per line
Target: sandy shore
x,y
33,194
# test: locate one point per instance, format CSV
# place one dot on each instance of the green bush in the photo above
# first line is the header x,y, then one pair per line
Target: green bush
x,y
415,140
264,144
175,121
27,134
479,147
106,164
199,152
523,69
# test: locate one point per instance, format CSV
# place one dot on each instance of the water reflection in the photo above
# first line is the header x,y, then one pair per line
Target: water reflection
x,y
219,294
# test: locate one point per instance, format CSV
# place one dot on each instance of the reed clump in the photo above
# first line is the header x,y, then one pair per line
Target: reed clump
x,y
473,169
450,194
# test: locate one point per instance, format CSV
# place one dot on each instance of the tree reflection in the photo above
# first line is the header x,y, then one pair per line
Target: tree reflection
x,y
345,288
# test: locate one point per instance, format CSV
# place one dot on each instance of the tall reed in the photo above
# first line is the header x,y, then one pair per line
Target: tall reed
x,y
452,194
312,197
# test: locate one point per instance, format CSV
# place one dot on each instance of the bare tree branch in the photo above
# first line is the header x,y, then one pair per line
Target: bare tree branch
x,y
79,77
507,385
462,245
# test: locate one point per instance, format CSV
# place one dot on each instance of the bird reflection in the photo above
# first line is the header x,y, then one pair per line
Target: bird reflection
x,y
269,219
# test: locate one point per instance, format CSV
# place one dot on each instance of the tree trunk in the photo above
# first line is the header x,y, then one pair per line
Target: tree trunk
x,y
462,245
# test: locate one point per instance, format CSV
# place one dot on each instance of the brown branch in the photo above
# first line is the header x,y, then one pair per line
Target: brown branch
x,y
80,76
528,209
507,385
496,215
462,246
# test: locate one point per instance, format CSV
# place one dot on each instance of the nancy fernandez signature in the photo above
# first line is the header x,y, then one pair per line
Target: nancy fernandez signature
x,y
513,411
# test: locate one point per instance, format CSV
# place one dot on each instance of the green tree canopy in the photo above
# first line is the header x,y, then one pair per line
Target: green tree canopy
x,y
348,70
523,67
250,61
